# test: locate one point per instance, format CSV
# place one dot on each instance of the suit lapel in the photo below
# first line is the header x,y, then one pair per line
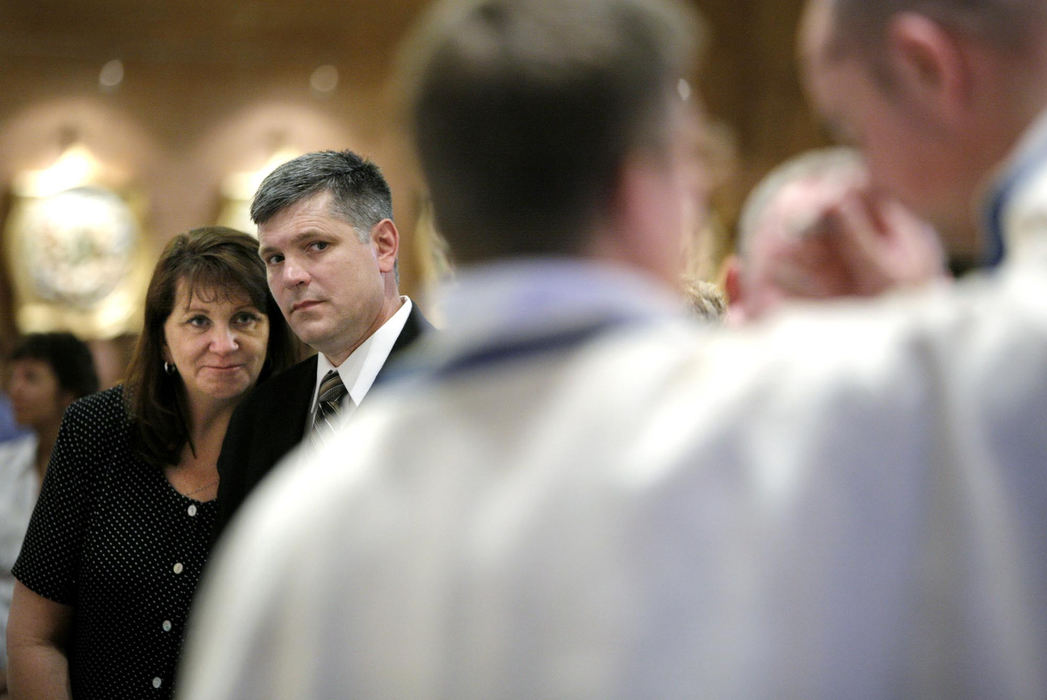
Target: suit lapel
x,y
288,419
415,326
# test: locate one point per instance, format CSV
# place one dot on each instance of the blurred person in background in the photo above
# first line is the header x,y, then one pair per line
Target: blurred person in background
x,y
123,524
9,427
48,371
789,249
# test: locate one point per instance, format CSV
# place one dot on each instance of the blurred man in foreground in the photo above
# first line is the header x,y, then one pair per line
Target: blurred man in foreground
x,y
599,501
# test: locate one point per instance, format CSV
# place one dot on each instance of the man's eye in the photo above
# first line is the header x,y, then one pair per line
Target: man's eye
x,y
274,259
319,245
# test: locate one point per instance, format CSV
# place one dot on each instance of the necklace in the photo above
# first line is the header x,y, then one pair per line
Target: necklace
x,y
205,486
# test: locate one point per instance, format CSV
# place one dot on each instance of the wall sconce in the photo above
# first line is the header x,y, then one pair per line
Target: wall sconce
x,y
74,249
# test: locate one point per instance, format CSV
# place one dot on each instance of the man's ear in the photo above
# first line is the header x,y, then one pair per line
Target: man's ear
x,y
386,241
732,283
930,68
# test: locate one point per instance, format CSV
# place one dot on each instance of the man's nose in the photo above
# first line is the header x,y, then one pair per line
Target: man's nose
x,y
294,273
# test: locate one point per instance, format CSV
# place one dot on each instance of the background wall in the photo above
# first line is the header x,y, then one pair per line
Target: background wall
x,y
211,89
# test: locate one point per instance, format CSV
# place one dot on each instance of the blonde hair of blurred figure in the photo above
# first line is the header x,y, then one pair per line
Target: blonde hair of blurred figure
x,y
432,258
709,245
705,300
806,231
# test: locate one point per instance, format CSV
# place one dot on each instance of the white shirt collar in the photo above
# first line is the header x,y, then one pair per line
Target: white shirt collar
x,y
1012,207
515,296
359,370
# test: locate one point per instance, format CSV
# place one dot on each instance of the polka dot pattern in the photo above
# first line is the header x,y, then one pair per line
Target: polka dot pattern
x,y
113,539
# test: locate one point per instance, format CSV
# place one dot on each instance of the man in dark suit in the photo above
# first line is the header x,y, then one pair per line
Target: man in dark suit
x,y
327,237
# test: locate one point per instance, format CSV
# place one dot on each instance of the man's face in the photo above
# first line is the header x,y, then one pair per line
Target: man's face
x,y
908,155
329,284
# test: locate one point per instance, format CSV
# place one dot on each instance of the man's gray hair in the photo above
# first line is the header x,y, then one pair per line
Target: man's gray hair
x,y
359,193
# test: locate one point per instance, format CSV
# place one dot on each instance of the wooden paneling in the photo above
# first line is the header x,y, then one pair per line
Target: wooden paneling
x,y
210,86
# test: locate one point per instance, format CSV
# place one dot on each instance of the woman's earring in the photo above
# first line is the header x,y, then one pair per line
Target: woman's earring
x,y
169,368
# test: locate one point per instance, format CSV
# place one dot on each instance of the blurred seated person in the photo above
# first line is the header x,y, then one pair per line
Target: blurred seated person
x,y
48,372
814,229
123,525
9,427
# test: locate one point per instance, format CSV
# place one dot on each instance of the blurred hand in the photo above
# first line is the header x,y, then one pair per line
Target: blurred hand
x,y
863,244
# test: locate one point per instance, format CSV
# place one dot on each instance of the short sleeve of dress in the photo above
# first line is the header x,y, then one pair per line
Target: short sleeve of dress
x,y
49,562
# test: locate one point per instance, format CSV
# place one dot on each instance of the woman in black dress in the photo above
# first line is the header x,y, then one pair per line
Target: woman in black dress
x,y
122,529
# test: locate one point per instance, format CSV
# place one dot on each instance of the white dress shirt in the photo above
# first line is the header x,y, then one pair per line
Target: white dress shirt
x,y
359,370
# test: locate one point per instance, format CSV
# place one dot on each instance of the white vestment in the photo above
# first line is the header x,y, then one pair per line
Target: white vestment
x,y
576,494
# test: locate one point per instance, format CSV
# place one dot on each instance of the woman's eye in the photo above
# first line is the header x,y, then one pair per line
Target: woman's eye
x,y
245,318
198,321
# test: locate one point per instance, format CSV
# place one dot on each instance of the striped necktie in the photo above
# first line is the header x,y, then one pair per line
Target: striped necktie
x,y
328,400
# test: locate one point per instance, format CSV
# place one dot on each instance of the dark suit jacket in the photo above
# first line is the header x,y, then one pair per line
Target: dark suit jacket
x,y
271,420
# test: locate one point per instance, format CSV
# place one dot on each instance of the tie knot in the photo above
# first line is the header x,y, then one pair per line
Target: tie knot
x,y
331,388
328,399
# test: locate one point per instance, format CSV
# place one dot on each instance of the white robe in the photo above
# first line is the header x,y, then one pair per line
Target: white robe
x,y
847,502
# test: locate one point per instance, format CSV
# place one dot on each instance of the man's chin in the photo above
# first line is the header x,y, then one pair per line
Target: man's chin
x,y
306,322
311,336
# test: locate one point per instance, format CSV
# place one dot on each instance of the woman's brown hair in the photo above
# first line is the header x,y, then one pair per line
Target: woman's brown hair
x,y
211,260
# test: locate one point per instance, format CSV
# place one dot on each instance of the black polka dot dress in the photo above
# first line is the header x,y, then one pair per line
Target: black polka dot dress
x,y
114,540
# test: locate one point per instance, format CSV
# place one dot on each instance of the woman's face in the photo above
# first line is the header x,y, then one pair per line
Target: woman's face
x,y
217,341
37,398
